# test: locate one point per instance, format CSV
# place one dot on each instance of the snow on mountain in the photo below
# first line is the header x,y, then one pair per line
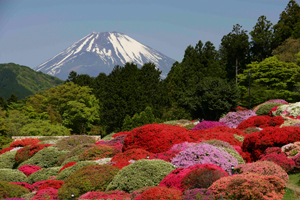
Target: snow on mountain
x,y
100,52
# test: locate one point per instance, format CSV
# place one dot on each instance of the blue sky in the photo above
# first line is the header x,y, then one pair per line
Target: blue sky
x,y
33,31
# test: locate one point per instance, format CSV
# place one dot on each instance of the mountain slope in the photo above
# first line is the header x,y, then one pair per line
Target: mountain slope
x,y
24,81
100,52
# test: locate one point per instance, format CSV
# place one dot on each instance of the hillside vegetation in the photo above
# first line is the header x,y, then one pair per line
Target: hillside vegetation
x,y
24,81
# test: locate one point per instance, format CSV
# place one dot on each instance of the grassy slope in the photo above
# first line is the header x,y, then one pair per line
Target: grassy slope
x,y
292,188
24,81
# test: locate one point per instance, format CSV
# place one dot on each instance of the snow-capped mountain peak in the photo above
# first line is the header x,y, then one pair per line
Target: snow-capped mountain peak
x,y
100,52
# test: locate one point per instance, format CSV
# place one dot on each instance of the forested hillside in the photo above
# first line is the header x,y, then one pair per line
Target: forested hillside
x,y
23,81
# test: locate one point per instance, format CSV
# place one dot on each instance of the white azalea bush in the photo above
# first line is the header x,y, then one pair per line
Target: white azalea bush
x,y
292,109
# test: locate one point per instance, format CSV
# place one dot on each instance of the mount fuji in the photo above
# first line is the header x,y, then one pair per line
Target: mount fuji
x,y
100,52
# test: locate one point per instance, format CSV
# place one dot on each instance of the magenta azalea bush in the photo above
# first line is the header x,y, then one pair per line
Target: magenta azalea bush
x,y
276,101
208,124
205,153
29,169
47,193
233,119
114,194
182,146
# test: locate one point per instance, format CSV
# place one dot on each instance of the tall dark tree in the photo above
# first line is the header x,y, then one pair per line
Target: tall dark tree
x,y
288,24
2,102
12,99
234,50
262,37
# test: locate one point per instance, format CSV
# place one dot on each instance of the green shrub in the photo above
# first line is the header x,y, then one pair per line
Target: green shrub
x,y
70,142
99,151
12,175
77,150
7,160
140,174
88,178
45,158
43,128
71,159
64,174
251,130
4,141
266,108
108,137
43,174
9,190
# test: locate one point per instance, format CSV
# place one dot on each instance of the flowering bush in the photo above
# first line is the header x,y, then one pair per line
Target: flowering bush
x,y
136,193
36,185
251,130
47,193
120,133
9,190
271,150
26,185
122,159
160,193
51,183
24,142
208,124
139,174
261,121
263,168
66,166
266,108
182,146
116,195
6,150
70,142
88,178
42,174
292,109
219,143
120,139
281,101
249,186
28,151
233,119
198,194
258,142
204,153
166,156
218,133
98,152
281,160
165,137
29,169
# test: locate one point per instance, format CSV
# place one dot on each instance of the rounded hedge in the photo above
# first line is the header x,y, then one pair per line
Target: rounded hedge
x,y
98,152
12,175
88,178
71,159
266,108
160,193
43,174
7,160
47,157
140,174
70,142
64,174
9,190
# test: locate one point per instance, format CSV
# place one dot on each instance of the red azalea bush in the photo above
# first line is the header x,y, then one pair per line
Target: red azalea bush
x,y
29,169
249,187
36,185
156,138
47,193
203,177
198,194
166,156
122,159
281,160
257,142
6,150
99,151
162,193
26,185
28,151
272,150
225,134
120,133
51,183
261,121
24,142
114,194
174,179
69,164
136,193
263,168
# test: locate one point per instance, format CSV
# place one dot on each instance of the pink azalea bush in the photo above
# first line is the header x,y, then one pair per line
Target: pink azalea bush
x,y
205,153
26,185
208,124
249,186
47,193
114,194
166,156
182,146
36,185
233,119
29,169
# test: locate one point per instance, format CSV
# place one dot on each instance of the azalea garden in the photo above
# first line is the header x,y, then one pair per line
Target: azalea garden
x,y
247,154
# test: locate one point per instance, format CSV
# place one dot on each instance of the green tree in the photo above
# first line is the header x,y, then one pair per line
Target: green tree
x,y
289,21
288,51
2,102
234,50
12,99
262,37
278,78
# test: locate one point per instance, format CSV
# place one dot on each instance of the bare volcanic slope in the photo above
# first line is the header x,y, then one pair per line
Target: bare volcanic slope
x,y
100,52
